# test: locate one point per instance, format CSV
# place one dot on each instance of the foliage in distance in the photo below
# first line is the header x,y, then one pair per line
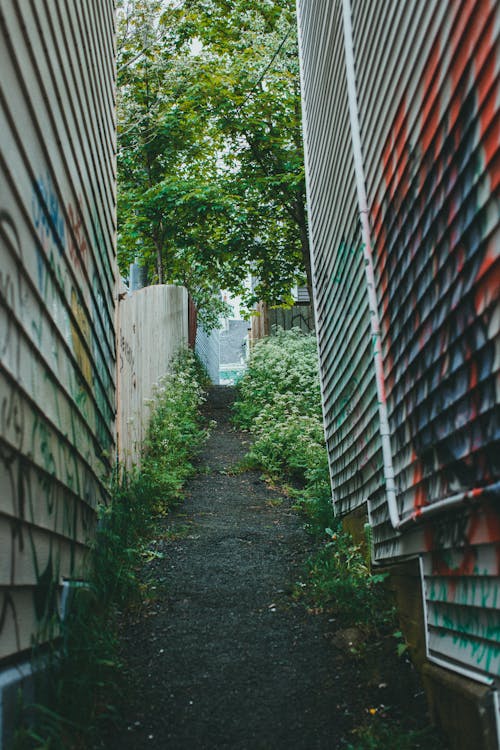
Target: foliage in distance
x,y
80,691
210,161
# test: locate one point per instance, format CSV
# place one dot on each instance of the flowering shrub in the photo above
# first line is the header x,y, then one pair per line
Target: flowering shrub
x,y
285,364
280,403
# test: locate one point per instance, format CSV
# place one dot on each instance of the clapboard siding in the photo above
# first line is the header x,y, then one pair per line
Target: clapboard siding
x,y
57,289
432,174
342,318
428,92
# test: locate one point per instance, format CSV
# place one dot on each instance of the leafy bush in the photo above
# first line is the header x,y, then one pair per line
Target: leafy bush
x,y
284,364
279,402
174,436
80,680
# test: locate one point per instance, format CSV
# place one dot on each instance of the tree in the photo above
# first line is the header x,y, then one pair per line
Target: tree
x,y
210,154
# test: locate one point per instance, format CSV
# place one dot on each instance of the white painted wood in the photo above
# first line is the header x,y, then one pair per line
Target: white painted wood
x,y
152,327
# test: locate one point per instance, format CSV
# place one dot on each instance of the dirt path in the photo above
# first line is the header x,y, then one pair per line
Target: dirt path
x,y
223,658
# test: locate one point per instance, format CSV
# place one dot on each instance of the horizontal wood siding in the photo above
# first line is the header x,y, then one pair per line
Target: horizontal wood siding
x,y
57,280
342,318
428,89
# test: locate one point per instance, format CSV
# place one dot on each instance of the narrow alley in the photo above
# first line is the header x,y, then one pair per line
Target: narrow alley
x,y
301,200
223,657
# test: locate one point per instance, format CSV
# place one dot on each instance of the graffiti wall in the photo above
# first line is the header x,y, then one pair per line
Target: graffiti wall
x,y
341,305
428,91
432,176
57,342
152,327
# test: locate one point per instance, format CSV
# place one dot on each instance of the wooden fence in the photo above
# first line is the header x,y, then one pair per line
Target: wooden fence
x,y
152,327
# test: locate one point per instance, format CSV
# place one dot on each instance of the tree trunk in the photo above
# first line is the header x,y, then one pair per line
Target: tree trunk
x,y
159,264
300,211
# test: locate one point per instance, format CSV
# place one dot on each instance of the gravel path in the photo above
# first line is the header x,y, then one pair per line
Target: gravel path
x,y
223,658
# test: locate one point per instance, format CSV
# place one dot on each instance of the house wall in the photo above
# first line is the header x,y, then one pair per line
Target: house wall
x,y
57,290
427,85
341,303
57,281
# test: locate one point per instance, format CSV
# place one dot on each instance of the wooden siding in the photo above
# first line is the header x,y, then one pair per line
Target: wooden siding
x,y
57,281
428,89
342,316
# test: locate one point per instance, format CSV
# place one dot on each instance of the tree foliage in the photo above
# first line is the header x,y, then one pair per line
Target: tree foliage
x,y
209,150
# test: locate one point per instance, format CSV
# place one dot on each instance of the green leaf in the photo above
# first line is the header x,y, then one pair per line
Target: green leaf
x,y
210,164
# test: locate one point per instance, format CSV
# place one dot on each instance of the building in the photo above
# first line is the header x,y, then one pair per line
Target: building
x,y
402,138
57,312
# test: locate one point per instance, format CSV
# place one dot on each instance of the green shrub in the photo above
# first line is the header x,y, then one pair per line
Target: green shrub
x,y
284,364
339,581
174,436
279,402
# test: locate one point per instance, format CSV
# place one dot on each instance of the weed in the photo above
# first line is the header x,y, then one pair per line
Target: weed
x,y
382,735
338,580
177,531
80,685
401,644
274,502
174,436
